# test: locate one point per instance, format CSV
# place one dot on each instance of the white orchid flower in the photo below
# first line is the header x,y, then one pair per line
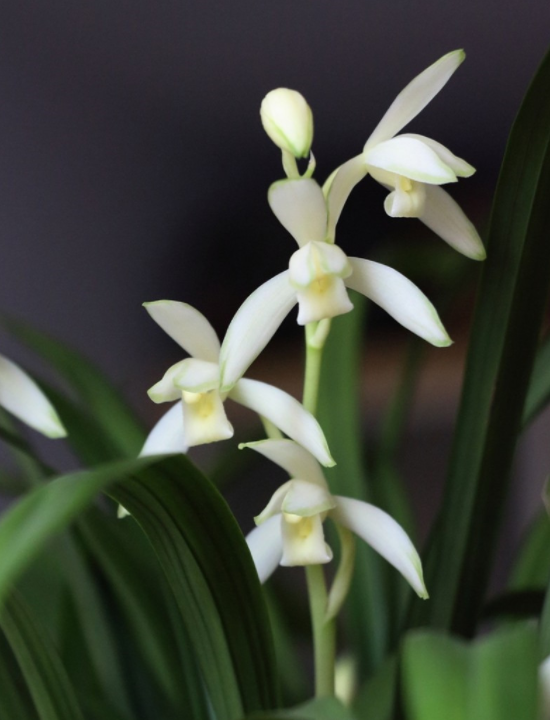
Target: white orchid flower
x,y
289,531
544,686
22,397
317,278
412,167
199,415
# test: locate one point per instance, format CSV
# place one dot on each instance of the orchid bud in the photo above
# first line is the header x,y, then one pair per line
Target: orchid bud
x,y
288,121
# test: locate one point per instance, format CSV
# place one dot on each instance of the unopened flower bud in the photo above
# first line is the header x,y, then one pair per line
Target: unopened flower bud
x,y
288,121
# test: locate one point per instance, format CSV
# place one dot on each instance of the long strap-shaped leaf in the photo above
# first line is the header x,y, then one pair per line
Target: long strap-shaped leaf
x,y
505,332
44,674
47,510
209,568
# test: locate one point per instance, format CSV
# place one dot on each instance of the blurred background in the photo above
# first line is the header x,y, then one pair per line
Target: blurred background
x,y
134,168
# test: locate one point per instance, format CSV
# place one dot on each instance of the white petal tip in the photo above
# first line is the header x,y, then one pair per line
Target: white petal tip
x,y
441,342
122,513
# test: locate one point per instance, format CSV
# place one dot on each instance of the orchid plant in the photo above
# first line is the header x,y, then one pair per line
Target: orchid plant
x,y
111,627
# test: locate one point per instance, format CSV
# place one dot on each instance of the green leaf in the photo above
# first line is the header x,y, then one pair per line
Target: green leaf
x,y
375,700
15,700
328,708
96,393
126,561
207,563
340,417
532,565
47,510
492,679
44,674
504,676
435,677
538,395
511,303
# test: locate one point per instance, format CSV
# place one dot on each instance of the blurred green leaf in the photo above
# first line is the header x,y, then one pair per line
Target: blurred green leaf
x,y
491,679
435,677
538,395
375,700
124,558
45,511
15,701
531,568
204,555
318,709
47,681
506,327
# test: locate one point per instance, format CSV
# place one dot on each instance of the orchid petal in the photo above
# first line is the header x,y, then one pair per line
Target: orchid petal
x,y
286,413
383,534
290,456
445,217
187,326
459,166
410,158
306,499
315,260
165,390
399,297
21,396
253,326
339,187
204,418
304,541
168,435
300,207
415,96
197,375
266,547
275,504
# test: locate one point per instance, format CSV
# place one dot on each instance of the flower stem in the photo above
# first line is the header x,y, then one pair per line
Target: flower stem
x,y
324,631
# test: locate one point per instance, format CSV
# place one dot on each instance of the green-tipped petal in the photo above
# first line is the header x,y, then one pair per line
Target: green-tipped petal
x,y
415,96
410,158
22,397
399,297
385,535
300,207
187,326
338,188
286,413
459,166
253,326
445,217
293,458
168,435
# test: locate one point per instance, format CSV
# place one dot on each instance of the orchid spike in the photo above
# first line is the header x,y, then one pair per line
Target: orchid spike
x,y
412,166
318,275
199,415
289,531
22,397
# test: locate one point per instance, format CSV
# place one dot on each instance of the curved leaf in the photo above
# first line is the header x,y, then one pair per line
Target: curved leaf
x,y
208,565
44,674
